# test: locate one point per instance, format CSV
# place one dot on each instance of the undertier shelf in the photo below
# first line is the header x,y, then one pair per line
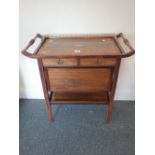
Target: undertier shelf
x,y
77,98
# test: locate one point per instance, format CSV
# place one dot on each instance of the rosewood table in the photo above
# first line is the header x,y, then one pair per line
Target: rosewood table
x,y
79,69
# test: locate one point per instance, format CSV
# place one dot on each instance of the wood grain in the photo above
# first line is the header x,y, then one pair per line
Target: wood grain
x,y
45,89
81,69
83,46
60,62
79,47
76,98
97,62
80,80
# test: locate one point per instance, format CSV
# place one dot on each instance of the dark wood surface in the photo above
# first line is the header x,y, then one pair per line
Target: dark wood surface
x,y
81,69
45,89
60,62
82,98
112,92
97,62
79,47
80,80
83,62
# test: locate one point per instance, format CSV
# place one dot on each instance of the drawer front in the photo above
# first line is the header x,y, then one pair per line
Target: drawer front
x,y
97,62
79,80
60,62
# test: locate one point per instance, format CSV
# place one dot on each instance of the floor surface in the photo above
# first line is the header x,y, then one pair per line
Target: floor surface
x,y
77,130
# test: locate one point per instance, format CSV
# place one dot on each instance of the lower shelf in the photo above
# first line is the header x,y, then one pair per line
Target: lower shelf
x,y
77,98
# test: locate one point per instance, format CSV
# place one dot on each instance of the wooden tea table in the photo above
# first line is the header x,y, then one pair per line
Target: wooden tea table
x,y
79,69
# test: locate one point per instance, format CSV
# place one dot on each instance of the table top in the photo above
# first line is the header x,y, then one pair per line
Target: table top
x,y
107,46
80,46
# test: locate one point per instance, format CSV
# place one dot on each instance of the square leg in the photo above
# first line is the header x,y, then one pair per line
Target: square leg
x,y
49,112
109,113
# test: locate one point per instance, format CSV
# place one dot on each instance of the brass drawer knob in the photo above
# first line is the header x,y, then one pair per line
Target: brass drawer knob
x,y
60,61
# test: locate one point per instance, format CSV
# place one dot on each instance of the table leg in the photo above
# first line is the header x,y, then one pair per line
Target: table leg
x,y
49,112
45,90
112,94
109,113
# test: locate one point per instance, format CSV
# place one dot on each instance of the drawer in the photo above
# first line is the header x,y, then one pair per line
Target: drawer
x,y
97,61
79,80
60,62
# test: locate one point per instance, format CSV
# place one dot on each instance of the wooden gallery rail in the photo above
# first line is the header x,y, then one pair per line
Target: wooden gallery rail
x,y
79,69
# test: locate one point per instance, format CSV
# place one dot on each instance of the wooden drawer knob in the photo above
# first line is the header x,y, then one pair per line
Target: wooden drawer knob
x,y
97,61
60,61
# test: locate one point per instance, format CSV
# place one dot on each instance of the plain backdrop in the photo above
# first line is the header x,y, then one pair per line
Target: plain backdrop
x,y
75,17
